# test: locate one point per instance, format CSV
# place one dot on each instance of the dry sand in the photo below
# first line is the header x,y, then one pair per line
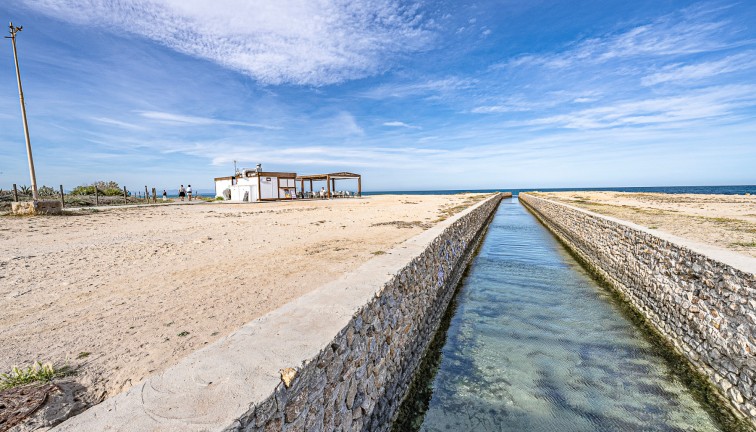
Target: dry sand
x,y
124,293
727,221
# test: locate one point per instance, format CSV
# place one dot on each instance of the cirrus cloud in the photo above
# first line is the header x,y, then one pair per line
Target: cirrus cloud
x,y
315,42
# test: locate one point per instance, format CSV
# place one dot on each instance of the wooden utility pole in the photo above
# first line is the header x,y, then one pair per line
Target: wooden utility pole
x,y
62,199
12,37
125,196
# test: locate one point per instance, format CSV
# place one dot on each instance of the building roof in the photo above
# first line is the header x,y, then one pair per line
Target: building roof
x,y
273,174
261,174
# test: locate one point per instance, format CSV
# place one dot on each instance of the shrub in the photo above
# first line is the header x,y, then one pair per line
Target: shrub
x,y
47,191
109,188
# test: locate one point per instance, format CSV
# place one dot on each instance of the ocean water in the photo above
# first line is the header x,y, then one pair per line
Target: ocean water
x,y
535,344
724,190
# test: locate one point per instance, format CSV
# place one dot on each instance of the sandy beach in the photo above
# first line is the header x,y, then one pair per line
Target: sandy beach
x,y
726,221
122,293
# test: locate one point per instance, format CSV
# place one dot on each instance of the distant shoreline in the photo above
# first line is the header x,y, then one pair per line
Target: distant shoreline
x,y
708,190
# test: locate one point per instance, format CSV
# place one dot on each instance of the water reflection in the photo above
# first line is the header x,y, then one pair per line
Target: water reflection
x,y
536,345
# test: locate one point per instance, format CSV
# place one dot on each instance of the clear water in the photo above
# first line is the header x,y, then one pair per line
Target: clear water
x,y
535,344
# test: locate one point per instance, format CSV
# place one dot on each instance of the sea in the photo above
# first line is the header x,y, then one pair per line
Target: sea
x,y
718,190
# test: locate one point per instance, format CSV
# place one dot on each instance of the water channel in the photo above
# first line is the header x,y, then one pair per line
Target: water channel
x,y
534,343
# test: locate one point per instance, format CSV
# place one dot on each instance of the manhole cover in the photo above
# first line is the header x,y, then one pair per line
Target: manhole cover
x,y
18,403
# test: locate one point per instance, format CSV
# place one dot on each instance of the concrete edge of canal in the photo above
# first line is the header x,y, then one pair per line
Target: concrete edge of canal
x,y
702,299
287,371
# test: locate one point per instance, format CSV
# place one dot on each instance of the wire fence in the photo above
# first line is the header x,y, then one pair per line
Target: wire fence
x,y
87,196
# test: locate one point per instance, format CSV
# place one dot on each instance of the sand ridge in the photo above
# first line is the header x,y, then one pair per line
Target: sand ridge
x,y
124,293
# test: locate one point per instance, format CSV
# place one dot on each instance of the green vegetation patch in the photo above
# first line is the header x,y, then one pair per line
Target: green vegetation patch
x,y
36,372
744,244
107,188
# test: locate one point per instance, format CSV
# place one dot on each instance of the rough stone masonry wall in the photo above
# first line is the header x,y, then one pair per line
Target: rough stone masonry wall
x,y
707,308
358,381
353,345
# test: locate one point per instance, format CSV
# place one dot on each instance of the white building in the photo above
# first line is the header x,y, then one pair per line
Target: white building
x,y
257,185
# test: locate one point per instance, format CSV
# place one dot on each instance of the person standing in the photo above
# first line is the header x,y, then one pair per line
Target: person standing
x,y
165,195
182,192
189,192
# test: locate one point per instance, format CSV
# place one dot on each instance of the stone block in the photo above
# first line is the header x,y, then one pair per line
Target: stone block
x,y
29,208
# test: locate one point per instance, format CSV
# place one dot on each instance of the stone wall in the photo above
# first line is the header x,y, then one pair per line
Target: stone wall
x,y
359,380
383,317
705,306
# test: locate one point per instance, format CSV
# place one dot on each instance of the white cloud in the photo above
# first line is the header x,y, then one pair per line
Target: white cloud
x,y
491,109
431,86
669,111
315,42
118,123
682,74
342,124
527,102
400,124
198,121
686,32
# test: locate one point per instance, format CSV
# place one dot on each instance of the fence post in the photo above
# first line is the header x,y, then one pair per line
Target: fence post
x,y
146,194
62,199
97,198
15,193
125,197
154,196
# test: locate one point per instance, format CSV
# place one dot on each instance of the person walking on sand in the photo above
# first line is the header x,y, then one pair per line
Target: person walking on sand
x,y
189,192
182,192
165,195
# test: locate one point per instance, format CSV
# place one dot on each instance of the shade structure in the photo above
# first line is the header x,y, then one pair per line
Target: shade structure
x,y
330,180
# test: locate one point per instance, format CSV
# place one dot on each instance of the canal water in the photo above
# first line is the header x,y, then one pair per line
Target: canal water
x,y
535,344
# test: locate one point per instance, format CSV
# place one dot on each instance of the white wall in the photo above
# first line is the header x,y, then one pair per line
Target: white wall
x,y
269,188
238,191
220,186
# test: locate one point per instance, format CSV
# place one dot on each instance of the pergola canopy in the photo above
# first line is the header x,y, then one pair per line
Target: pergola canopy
x,y
330,180
336,176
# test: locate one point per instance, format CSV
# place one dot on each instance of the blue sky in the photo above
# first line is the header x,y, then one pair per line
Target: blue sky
x,y
430,95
